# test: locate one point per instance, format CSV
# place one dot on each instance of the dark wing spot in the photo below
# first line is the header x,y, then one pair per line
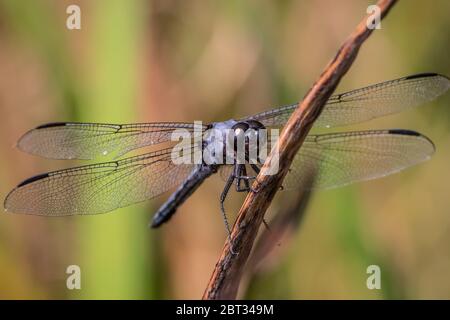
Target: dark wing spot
x,y
52,124
404,132
33,179
422,75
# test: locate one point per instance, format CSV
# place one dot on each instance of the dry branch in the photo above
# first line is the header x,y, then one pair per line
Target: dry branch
x,y
224,282
282,227
273,243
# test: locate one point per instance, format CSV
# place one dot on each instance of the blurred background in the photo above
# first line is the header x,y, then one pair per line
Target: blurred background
x,y
144,61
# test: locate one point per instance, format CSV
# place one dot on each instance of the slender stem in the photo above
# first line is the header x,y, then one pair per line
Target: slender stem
x,y
227,274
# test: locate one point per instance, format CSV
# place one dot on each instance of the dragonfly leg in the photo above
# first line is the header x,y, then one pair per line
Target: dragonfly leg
x,y
255,168
247,179
243,178
237,172
241,175
223,196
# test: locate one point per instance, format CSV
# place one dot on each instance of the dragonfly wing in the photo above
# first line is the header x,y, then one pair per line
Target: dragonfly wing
x,y
368,103
70,140
339,159
98,188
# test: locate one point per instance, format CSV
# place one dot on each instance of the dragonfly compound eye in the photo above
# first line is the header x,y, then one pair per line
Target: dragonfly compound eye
x,y
238,132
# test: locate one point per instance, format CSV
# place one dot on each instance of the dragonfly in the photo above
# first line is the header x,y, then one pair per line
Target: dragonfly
x,y
336,159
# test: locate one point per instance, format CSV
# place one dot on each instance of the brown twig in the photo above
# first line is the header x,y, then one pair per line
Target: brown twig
x,y
272,243
284,224
224,282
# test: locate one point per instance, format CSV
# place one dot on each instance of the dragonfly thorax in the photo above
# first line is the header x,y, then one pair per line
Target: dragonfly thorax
x,y
234,142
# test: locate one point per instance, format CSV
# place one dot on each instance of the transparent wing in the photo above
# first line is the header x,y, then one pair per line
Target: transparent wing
x,y
69,140
338,159
98,188
368,103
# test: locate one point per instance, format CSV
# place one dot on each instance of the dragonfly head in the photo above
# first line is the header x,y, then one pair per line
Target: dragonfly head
x,y
248,137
